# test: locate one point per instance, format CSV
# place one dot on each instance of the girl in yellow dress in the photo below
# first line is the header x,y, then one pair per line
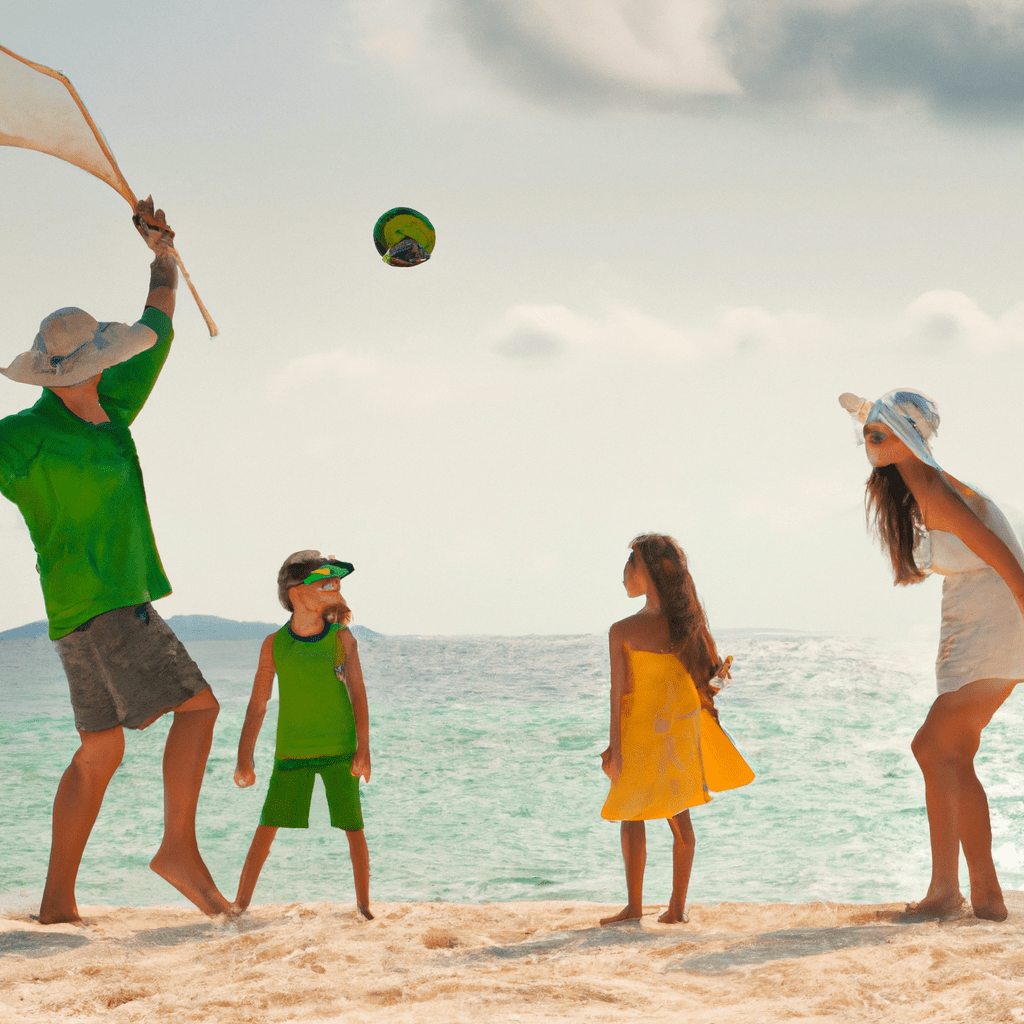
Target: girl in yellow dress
x,y
666,749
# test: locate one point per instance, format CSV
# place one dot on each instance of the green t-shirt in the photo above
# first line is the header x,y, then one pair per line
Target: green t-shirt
x,y
314,713
79,487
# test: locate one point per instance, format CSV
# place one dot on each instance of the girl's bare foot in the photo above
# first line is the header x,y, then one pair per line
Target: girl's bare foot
x,y
364,909
627,913
674,916
940,906
58,915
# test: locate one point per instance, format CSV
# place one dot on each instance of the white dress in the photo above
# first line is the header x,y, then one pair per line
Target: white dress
x,y
982,628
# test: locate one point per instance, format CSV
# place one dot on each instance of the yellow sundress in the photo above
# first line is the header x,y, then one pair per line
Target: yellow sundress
x,y
673,752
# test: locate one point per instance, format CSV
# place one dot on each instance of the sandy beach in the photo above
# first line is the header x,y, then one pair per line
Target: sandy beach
x,y
513,962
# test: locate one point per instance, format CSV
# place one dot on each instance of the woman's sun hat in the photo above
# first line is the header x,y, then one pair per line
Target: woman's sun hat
x,y
72,346
911,415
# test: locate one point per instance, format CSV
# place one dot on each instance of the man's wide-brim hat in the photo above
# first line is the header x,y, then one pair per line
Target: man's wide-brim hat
x,y
72,346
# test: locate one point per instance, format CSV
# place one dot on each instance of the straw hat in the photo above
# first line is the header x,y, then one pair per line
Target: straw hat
x,y
72,346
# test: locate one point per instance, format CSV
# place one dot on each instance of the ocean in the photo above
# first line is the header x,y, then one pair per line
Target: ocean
x,y
487,785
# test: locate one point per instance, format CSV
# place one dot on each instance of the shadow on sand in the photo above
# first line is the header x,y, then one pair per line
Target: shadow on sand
x,y
39,943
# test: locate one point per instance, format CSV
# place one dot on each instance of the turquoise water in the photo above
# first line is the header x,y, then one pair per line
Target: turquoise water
x,y
487,783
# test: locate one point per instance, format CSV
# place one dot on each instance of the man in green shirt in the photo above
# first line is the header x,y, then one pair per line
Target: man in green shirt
x,y
70,465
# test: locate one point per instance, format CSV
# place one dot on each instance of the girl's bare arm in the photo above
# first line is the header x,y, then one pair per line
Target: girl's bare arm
x,y
262,687
360,710
611,759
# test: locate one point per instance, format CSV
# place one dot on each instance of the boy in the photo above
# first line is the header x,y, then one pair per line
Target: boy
x,y
323,725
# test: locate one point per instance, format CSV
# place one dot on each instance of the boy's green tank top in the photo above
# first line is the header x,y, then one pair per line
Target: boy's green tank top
x,y
314,715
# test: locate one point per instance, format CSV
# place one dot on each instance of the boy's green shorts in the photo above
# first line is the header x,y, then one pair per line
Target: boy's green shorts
x,y
291,792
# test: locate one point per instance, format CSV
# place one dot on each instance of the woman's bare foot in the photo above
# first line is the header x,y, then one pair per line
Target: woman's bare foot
x,y
988,904
627,913
674,915
364,909
940,906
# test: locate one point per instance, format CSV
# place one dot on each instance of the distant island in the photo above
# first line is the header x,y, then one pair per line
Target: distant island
x,y
191,627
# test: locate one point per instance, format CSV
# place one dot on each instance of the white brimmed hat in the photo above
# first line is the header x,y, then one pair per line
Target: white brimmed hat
x,y
72,346
910,414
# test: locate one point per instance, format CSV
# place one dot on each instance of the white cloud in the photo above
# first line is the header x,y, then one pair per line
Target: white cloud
x,y
537,333
750,329
338,365
944,320
658,45
833,55
534,333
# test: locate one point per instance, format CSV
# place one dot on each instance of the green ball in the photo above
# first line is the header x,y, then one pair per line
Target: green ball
x,y
394,227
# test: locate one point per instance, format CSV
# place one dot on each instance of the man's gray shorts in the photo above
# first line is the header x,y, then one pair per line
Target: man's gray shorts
x,y
124,667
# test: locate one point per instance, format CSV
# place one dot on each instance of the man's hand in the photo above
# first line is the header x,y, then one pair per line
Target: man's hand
x,y
245,776
152,225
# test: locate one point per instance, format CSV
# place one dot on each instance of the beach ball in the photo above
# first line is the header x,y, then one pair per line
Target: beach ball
x,y
404,237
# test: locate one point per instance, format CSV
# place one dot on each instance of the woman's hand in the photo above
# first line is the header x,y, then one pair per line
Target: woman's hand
x,y
245,776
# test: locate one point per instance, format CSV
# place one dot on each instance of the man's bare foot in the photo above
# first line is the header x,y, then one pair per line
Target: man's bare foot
x,y
674,916
188,874
627,913
935,908
989,906
364,909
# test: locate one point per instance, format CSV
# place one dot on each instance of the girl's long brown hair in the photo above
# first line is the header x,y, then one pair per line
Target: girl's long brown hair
x,y
687,623
893,512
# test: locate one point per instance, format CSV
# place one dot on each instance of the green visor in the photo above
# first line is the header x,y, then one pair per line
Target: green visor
x,y
328,569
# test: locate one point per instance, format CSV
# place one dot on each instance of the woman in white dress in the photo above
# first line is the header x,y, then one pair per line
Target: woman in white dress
x,y
915,504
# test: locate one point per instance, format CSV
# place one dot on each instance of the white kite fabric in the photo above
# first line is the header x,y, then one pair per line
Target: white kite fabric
x,y
39,109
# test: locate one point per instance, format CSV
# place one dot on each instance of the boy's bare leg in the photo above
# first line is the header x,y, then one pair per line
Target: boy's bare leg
x,y
634,853
682,864
178,860
360,870
957,806
75,808
259,849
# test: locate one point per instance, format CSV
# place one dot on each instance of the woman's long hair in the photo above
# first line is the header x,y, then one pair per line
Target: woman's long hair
x,y
687,623
892,511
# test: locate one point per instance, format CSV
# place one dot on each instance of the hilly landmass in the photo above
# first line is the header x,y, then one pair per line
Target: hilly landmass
x,y
191,627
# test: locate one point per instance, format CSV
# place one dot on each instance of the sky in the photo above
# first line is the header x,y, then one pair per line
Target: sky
x,y
669,235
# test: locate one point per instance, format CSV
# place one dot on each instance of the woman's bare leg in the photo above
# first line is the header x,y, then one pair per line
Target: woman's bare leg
x,y
360,870
178,860
259,849
634,852
957,806
682,863
75,808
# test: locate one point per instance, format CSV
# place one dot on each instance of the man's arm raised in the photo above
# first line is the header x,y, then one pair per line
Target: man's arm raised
x,y
163,279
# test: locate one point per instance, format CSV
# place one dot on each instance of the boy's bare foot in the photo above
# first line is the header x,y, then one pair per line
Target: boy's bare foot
x,y
988,905
364,909
627,913
674,916
939,907
188,874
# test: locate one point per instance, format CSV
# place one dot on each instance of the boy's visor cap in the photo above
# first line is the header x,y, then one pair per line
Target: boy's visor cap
x,y
328,569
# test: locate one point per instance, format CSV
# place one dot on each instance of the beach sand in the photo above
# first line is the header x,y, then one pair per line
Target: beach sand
x,y
442,962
